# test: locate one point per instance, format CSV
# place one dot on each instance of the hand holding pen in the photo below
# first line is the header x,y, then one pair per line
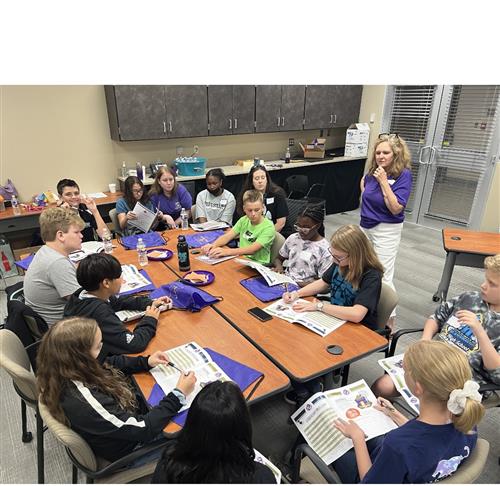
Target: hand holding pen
x,y
187,380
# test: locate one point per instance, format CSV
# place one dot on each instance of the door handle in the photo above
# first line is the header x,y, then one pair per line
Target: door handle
x,y
434,153
421,153
230,123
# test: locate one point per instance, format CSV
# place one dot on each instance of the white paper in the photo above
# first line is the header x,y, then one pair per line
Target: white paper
x,y
88,248
394,368
132,279
270,276
129,315
316,321
188,357
145,218
213,260
264,460
96,195
352,402
209,225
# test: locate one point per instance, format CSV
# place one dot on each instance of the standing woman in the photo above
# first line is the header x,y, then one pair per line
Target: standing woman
x,y
275,207
170,197
385,191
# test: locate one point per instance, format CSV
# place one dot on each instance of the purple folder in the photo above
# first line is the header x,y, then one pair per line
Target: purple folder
x,y
241,374
141,289
25,262
204,238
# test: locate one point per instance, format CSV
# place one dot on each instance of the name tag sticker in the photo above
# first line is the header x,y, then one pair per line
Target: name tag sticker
x,y
269,200
223,202
391,181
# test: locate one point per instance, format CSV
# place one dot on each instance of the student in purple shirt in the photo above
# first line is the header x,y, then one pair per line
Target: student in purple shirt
x,y
385,191
170,197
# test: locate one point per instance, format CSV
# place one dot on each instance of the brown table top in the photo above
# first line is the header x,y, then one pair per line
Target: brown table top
x,y
477,242
296,350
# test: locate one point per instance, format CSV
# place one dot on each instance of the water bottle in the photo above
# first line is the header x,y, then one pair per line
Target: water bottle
x,y
183,254
108,241
287,155
15,205
124,170
141,253
184,219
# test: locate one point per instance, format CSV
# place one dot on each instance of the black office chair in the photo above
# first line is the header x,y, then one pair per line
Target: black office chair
x,y
298,188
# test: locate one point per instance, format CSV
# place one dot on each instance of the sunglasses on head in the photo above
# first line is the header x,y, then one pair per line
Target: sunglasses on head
x,y
388,135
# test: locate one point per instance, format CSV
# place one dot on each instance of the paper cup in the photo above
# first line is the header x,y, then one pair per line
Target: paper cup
x,y
112,188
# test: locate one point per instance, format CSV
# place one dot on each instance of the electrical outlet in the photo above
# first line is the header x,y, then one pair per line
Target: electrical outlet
x,y
179,150
291,142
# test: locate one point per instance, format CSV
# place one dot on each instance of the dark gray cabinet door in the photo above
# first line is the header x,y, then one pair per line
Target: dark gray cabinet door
x,y
220,110
346,104
187,114
292,107
140,112
243,109
267,108
318,107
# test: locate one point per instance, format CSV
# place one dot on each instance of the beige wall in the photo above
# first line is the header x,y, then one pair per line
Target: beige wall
x,y
372,101
491,215
51,132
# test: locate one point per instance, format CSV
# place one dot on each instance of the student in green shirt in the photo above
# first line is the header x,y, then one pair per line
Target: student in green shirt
x,y
255,231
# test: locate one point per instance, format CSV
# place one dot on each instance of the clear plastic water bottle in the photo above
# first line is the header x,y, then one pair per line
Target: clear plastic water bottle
x,y
15,205
287,155
107,241
184,219
141,253
124,169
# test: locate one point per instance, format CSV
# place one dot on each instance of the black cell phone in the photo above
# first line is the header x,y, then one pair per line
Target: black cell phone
x,y
260,314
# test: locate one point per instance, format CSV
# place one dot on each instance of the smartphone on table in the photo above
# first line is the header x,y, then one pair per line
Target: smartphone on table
x,y
260,314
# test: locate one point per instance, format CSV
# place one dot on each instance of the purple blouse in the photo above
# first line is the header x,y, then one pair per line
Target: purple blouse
x,y
373,208
173,205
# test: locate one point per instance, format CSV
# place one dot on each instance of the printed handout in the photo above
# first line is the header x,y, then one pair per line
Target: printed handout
x,y
213,260
271,277
145,218
264,460
88,247
132,279
209,225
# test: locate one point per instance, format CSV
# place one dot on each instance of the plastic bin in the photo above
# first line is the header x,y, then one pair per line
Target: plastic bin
x,y
195,166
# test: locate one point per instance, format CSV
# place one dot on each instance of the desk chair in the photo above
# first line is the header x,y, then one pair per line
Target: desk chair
x,y
279,241
310,467
193,213
95,468
116,224
14,359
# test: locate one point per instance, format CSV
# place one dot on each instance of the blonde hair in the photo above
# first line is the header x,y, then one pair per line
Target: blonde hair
x,y
252,196
351,240
401,155
492,263
441,368
53,220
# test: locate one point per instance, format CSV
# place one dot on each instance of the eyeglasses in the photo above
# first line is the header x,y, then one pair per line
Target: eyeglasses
x,y
137,191
388,135
335,257
304,231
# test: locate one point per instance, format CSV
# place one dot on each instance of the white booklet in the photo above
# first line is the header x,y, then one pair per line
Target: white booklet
x,y
188,357
316,321
355,402
213,260
271,277
129,315
145,217
132,279
209,225
264,460
394,368
88,247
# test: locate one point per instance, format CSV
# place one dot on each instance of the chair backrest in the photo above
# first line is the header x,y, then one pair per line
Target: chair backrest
x,y
295,208
193,212
74,443
14,359
472,467
114,219
298,183
278,242
388,301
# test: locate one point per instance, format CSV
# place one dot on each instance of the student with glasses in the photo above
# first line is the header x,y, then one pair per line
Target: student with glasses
x,y
385,191
306,252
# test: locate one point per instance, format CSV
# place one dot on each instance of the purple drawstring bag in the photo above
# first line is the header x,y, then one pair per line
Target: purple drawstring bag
x,y
258,287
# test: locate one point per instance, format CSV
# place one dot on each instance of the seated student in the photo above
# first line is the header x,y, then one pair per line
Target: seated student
x,y
170,197
256,233
274,197
100,277
95,399
215,445
307,252
51,277
354,280
215,203
432,446
471,321
132,194
86,208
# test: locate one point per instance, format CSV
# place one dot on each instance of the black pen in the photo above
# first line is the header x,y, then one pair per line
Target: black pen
x,y
185,373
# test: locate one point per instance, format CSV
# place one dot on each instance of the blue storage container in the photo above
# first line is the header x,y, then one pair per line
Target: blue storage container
x,y
193,166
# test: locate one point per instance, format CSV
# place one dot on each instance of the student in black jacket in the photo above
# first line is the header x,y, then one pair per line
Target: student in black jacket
x,y
100,276
95,399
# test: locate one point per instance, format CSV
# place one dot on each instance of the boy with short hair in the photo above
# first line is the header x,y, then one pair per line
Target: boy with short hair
x,y
86,208
51,276
471,322
99,275
256,233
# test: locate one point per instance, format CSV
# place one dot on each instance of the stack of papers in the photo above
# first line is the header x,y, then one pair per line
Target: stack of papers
x,y
209,225
88,247
129,315
271,277
213,260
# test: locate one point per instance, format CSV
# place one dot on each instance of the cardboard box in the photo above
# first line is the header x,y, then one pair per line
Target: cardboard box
x,y
315,149
358,133
356,149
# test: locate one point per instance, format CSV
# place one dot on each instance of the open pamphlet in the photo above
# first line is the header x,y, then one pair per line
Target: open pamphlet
x,y
394,368
132,279
354,402
145,218
88,248
213,260
129,315
264,460
271,277
318,322
209,225
188,357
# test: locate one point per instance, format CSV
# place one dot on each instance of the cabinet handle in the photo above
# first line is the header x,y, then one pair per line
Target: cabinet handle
x,y
335,119
282,121
278,121
164,127
170,126
331,118
235,123
230,124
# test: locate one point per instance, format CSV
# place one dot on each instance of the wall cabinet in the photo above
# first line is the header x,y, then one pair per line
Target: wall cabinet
x,y
279,108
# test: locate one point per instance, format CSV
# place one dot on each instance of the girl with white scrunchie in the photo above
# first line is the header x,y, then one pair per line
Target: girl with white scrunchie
x,y
432,446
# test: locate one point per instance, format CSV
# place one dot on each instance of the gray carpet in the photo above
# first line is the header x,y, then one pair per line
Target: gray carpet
x,y
418,271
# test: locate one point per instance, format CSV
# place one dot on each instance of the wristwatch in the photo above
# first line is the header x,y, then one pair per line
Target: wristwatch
x,y
319,306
